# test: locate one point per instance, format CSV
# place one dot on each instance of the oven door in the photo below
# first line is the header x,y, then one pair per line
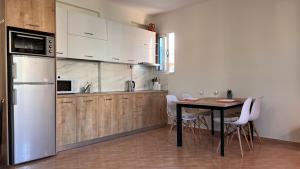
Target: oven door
x,y
26,43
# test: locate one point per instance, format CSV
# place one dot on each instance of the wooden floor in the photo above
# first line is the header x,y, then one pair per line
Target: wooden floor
x,y
154,149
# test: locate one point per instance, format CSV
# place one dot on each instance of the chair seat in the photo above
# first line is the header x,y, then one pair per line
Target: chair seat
x,y
226,119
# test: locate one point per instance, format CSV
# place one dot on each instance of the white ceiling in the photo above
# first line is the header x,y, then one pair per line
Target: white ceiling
x,y
152,7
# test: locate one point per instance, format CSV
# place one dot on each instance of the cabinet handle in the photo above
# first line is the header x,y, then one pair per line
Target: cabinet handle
x,y
88,101
131,60
33,25
60,53
107,99
70,102
115,58
89,56
14,70
125,98
87,33
15,100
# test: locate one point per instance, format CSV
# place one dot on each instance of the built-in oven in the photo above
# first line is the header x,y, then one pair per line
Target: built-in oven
x,y
31,44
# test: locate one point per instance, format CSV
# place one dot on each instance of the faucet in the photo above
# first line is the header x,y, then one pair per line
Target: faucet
x,y
87,87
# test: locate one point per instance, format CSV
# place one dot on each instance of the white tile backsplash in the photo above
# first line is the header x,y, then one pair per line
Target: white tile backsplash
x,y
108,76
80,71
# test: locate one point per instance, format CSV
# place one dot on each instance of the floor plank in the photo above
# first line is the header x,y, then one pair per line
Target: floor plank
x,y
156,150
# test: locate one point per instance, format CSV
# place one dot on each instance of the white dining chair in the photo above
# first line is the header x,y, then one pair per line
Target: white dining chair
x,y
202,113
236,125
188,119
254,115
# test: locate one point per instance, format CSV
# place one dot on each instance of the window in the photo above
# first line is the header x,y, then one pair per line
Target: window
x,y
166,54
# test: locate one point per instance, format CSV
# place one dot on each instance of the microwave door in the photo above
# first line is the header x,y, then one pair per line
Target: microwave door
x,y
31,69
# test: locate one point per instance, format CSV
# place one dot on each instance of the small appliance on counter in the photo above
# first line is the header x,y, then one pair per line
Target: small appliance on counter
x,y
156,84
67,86
130,86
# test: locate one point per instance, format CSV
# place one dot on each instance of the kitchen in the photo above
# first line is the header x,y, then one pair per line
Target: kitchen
x,y
102,73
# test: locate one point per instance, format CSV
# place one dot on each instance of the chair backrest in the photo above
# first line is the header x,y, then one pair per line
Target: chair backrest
x,y
245,113
256,109
187,96
171,106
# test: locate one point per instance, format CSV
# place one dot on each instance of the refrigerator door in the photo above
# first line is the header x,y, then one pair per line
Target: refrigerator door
x,y
34,122
32,69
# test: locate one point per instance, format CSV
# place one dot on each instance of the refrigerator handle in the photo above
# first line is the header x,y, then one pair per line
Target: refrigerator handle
x,y
15,100
14,70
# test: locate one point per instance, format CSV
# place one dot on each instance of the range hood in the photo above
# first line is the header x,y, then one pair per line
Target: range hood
x,y
149,64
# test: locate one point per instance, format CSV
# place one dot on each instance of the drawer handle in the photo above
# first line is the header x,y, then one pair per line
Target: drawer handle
x,y
107,99
88,33
88,100
125,98
68,102
33,25
89,56
60,53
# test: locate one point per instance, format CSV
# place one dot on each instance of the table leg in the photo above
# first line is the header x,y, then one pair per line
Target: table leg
x,y
212,123
179,126
252,130
222,132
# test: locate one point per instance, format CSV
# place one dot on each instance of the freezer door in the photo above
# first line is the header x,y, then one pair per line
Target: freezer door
x,y
34,122
33,69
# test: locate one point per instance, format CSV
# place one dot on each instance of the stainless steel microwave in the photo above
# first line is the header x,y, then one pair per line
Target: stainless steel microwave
x,y
31,44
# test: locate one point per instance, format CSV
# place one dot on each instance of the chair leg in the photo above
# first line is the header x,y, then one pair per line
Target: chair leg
x,y
171,128
256,132
250,135
239,137
244,133
205,122
192,129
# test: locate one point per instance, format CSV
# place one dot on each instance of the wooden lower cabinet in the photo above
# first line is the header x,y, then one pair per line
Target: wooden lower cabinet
x,y
125,114
66,121
89,117
87,123
107,116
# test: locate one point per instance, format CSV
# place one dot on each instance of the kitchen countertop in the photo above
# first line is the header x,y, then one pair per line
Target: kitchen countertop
x,y
109,93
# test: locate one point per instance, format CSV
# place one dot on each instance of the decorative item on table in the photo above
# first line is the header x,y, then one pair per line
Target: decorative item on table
x,y
229,94
151,27
216,93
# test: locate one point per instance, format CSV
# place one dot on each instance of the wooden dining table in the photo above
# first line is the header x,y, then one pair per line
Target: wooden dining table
x,y
210,104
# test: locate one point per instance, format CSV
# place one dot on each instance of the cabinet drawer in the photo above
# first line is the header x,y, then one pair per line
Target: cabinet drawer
x,y
87,25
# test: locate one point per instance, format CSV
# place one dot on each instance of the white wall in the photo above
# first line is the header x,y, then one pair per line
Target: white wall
x,y
110,10
249,46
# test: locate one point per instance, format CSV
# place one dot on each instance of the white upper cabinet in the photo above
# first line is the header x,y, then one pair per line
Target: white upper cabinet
x,y
115,42
87,48
86,25
61,32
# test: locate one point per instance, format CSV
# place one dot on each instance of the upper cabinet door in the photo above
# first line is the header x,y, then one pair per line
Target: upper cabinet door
x,y
61,32
86,25
36,15
86,48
